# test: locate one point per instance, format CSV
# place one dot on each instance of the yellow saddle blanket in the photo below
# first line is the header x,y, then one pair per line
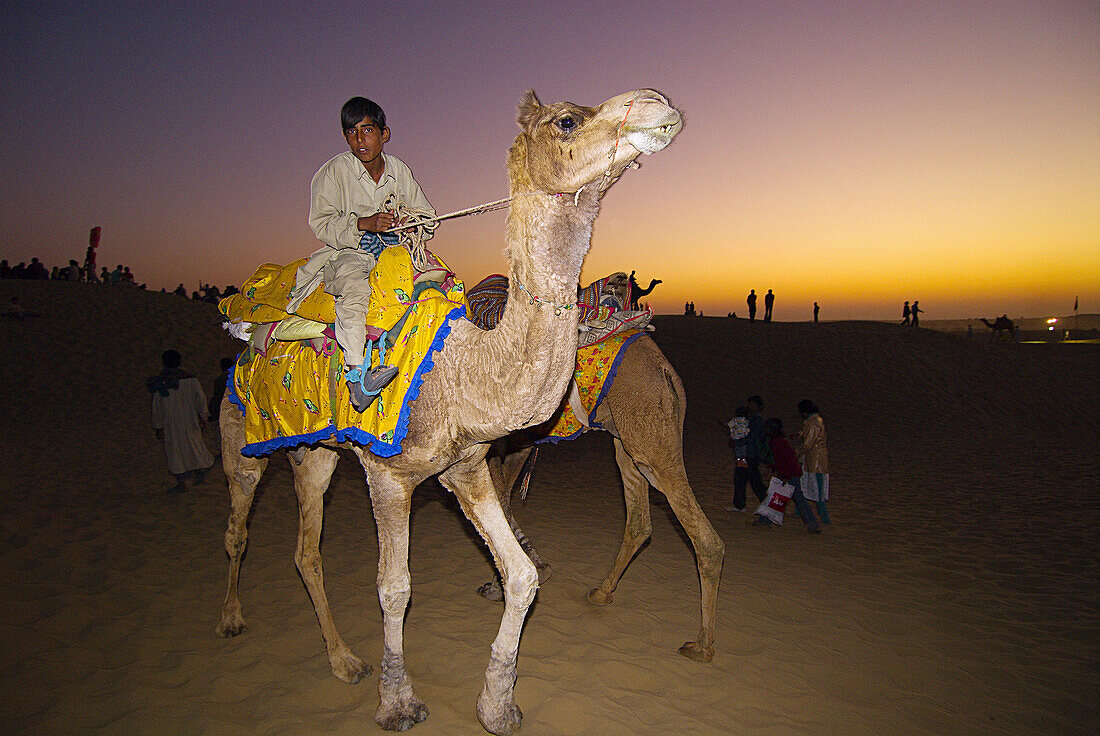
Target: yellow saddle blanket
x,y
597,365
293,394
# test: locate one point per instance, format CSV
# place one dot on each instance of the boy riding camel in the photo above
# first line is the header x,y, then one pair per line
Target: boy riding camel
x,y
351,197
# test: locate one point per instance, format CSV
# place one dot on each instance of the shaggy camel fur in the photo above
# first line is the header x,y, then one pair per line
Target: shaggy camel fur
x,y
644,411
484,385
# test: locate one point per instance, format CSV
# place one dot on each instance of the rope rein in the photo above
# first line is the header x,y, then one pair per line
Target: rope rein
x,y
418,224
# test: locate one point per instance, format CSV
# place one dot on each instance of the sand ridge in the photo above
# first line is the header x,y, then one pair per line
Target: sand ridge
x,y
954,593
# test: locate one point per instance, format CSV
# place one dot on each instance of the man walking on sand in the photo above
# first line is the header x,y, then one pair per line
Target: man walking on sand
x,y
179,415
769,300
915,311
752,305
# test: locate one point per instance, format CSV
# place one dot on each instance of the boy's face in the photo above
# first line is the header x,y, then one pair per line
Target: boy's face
x,y
366,140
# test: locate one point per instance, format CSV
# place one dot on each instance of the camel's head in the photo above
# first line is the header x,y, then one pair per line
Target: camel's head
x,y
564,147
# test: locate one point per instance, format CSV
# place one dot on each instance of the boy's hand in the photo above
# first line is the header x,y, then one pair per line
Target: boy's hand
x,y
376,223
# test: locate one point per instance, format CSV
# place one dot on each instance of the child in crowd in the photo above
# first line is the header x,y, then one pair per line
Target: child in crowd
x,y
347,212
179,415
785,483
739,440
810,443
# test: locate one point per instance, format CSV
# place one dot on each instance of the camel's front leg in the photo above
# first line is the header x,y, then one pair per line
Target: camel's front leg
x,y
312,474
638,525
398,709
472,485
243,474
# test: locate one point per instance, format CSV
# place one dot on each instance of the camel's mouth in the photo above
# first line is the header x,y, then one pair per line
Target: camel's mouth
x,y
651,140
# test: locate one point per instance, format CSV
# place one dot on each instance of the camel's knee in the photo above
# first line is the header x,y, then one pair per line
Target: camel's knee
x,y
710,554
236,537
247,479
394,598
522,584
308,562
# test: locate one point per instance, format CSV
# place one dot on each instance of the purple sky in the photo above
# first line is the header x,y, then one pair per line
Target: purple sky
x,y
857,154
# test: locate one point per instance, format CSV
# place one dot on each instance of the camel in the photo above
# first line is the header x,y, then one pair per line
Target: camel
x,y
637,292
484,385
644,412
1003,328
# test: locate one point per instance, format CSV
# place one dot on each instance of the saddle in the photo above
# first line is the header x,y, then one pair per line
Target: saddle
x,y
287,382
602,307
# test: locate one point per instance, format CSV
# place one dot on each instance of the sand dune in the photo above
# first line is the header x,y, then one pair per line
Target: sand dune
x,y
955,593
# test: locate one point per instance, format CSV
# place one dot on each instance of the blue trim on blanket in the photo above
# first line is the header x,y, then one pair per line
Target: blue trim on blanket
x,y
354,434
230,390
259,449
389,449
611,374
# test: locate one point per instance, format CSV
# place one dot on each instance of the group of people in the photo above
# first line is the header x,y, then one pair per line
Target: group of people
x,y
36,270
208,293
769,302
798,465
910,315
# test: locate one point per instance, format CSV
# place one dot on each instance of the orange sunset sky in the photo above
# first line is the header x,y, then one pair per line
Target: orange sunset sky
x,y
858,154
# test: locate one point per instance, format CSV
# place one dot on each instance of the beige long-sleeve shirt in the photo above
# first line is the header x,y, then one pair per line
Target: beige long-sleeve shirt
x,y
810,442
341,192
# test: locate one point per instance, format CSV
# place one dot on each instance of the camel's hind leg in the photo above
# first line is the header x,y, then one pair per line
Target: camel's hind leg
x,y
505,468
470,482
312,474
243,474
646,405
669,476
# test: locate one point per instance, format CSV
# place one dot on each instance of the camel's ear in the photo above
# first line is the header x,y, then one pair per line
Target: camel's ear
x,y
529,108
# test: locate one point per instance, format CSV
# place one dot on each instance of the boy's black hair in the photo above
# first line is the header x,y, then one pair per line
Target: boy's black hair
x,y
755,399
773,427
807,407
357,108
171,359
742,411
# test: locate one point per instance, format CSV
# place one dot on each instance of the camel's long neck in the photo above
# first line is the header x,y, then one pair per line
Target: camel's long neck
x,y
535,343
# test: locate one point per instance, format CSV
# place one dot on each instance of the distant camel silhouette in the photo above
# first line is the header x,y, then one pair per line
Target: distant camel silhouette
x,y
637,292
1003,328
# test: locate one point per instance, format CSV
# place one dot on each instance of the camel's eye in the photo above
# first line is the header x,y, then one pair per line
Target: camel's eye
x,y
567,123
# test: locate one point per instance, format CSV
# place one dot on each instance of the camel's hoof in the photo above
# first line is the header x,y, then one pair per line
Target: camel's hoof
x,y
492,591
350,668
402,716
696,652
231,624
597,597
500,720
